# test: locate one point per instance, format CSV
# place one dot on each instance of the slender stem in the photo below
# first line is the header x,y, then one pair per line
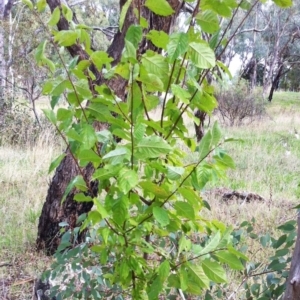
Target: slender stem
x,y
131,117
196,257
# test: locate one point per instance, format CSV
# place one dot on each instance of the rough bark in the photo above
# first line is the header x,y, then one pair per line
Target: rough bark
x,y
53,211
293,282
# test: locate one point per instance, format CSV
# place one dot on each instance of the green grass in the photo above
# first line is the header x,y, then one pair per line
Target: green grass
x,y
267,163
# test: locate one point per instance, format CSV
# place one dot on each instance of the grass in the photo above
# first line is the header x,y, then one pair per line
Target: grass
x,y
267,163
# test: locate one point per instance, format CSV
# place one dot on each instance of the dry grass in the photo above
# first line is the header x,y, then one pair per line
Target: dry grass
x,y
24,182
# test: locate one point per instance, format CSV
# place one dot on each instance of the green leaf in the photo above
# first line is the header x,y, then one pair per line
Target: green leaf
x,y
117,156
154,189
127,180
41,5
158,38
160,7
67,12
155,64
87,155
184,244
54,164
55,16
77,180
216,134
184,209
214,271
50,115
177,45
28,3
134,35
152,147
81,197
161,216
164,270
174,173
100,58
123,13
66,37
201,55
212,244
230,259
88,136
120,212
208,21
39,53
181,93
283,3
197,279
106,172
205,145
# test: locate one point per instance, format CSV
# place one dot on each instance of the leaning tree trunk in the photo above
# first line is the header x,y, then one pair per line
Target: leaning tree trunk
x,y
293,282
53,211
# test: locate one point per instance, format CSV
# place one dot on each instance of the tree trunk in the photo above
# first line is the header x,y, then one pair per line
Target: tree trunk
x,y
5,8
293,282
53,211
275,83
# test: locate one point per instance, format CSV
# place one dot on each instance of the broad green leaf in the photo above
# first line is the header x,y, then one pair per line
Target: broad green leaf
x,y
120,212
197,279
28,3
152,147
177,45
164,270
55,16
205,145
225,160
201,55
155,64
182,94
77,180
283,3
158,38
54,164
39,53
214,271
174,173
152,83
154,289
184,209
106,172
154,189
159,7
41,5
88,136
50,115
100,208
134,35
127,180
117,156
67,12
184,244
87,155
216,134
81,197
189,194
208,21
237,253
230,259
212,244
123,13
66,37
161,216
100,58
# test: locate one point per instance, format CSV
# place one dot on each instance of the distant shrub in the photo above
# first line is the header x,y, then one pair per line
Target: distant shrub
x,y
18,126
238,103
